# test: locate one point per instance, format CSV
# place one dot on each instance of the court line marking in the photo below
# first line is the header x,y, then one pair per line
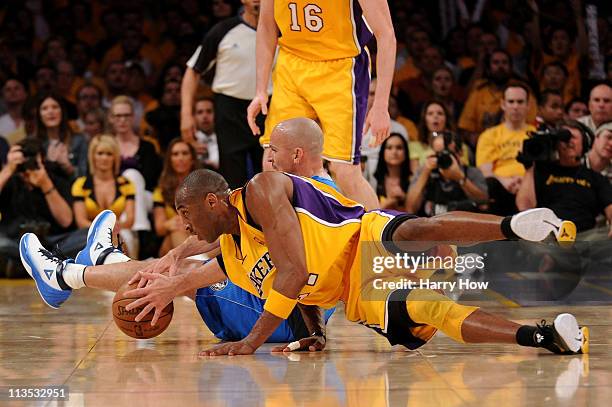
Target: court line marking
x,y
597,287
515,276
502,299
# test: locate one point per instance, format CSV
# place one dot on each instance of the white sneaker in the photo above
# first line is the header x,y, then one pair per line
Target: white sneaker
x,y
99,240
46,270
563,336
537,224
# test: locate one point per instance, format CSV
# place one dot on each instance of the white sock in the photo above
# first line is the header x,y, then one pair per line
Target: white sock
x,y
116,257
73,275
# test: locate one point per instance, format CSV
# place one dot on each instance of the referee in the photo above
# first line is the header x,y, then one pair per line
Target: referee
x,y
229,48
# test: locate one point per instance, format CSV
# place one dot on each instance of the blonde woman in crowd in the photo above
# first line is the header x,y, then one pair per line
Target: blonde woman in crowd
x,y
104,189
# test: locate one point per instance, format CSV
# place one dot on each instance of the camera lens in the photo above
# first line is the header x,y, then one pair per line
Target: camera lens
x,y
444,160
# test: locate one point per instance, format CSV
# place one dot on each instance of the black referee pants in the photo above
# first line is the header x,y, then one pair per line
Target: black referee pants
x,y
240,154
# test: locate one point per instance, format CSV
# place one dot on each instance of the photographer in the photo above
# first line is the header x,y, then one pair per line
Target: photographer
x,y
34,196
559,180
442,184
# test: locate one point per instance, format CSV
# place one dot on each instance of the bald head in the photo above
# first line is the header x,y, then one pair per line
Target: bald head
x,y
600,104
296,146
300,133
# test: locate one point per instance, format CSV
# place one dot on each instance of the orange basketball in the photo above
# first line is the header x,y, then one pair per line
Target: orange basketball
x,y
125,319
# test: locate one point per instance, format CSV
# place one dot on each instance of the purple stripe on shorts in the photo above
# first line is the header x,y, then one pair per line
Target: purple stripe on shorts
x,y
326,208
361,88
364,35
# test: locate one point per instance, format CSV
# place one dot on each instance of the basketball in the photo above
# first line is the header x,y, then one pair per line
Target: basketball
x,y
124,319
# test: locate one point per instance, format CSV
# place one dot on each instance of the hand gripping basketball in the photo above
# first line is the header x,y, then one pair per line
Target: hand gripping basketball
x,y
157,295
126,319
168,263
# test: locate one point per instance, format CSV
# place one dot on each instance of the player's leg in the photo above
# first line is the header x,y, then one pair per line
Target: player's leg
x,y
532,225
55,277
409,313
112,276
338,92
351,182
472,325
286,102
106,277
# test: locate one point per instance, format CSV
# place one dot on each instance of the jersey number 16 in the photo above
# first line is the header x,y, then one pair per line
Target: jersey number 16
x,y
312,21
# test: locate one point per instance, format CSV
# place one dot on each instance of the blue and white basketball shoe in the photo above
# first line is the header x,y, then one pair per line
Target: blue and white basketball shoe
x,y
46,269
99,240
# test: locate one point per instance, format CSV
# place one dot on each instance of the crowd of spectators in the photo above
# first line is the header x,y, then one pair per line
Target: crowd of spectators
x,y
91,114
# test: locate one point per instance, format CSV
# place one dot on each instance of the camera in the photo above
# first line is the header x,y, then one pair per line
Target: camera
x,y
30,148
444,159
542,144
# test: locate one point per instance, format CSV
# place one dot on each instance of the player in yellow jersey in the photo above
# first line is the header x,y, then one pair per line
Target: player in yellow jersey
x,y
290,239
323,72
293,240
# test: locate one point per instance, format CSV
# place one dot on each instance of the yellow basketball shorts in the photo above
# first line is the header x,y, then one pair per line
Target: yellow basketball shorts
x,y
333,92
385,308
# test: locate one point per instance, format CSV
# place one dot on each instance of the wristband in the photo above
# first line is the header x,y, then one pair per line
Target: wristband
x,y
279,305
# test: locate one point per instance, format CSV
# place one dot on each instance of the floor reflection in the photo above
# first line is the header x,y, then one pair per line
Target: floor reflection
x,y
79,346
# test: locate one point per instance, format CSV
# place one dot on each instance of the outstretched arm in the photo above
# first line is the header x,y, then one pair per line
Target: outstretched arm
x,y
170,262
163,289
192,246
189,86
268,202
377,14
267,37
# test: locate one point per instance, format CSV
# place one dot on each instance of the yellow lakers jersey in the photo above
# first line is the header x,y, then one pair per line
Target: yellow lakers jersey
x,y
330,225
321,30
